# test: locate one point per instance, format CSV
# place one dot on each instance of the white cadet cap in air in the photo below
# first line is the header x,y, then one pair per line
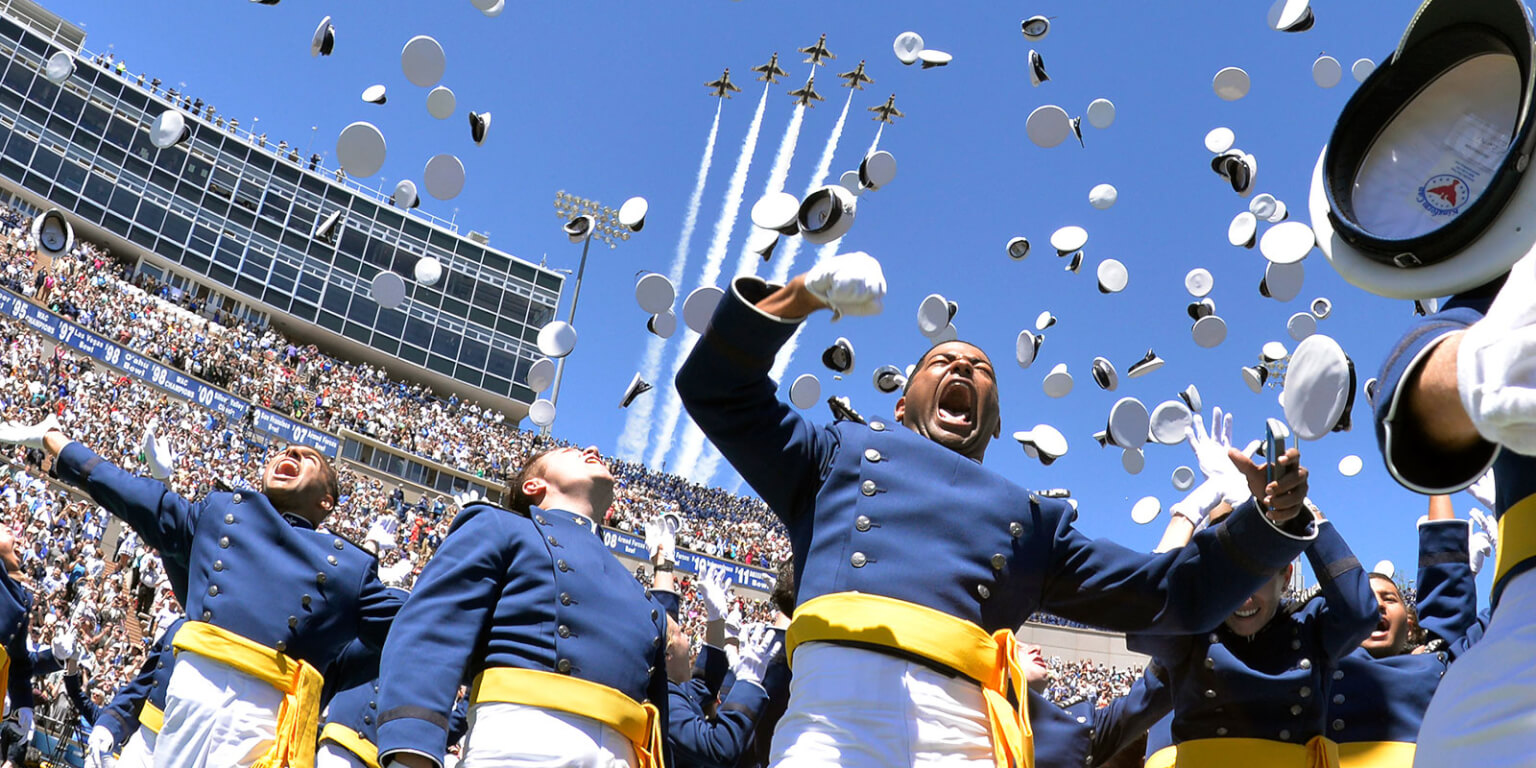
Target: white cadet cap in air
x,y
1209,331
423,61
1101,113
1069,239
933,58
1219,140
1104,374
933,313
1282,282
877,169
1361,69
1322,308
59,67
762,242
428,270
1327,72
850,181
1203,308
1370,391
1048,126
1058,383
907,46
1103,196
1239,169
1037,73
946,334
324,39
541,412
805,391
1044,320
1255,376
1147,364
655,293
1231,83
1129,423
1385,568
632,213
1076,263
1145,510
1191,398
1113,276
388,290
1273,352
1133,460
169,129
557,339
777,211
375,94
441,102
1018,248
1199,282
1183,478
360,150
889,379
1026,347
1301,325
444,177
494,9
1243,231
1291,16
479,126
663,325
826,214
1319,388
1262,205
53,233
1035,28
1043,442
405,195
839,356
1287,242
637,387
329,228
700,305
579,228
1350,465
1169,421
541,374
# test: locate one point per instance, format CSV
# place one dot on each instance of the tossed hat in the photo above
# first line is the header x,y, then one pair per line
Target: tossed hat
x,y
441,102
1209,331
1322,308
1240,169
1291,16
375,94
1199,282
1145,510
1133,460
1350,465
1219,140
877,169
491,8
1101,113
1183,478
637,387
1076,263
1420,190
1422,307
1035,28
444,177
1301,325
423,61
842,410
579,227
428,270
663,325
850,181
946,334
557,339
1147,364
329,228
762,242
541,374
1077,130
59,67
827,214
1326,71
1048,126
1026,347
1384,568
1287,242
1282,282
1263,205
805,391
777,211
933,313
169,129
324,39
1103,196
888,379
1113,276
1273,352
1201,308
1319,388
1370,391
839,356
360,149
654,293
405,195
1361,69
1169,420
1243,230
1018,248
632,213
53,232
1069,239
699,307
1037,73
479,125
1043,442
1058,383
1129,424
1255,376
1044,320
1230,83
907,46
541,413
388,290
1104,374
931,58
1191,398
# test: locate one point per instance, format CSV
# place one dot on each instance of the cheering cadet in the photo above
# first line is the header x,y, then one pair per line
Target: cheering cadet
x,y
16,667
700,741
563,648
915,562
349,738
1082,733
272,600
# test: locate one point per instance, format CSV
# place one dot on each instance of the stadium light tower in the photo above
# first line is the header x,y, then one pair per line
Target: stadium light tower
x,y
585,220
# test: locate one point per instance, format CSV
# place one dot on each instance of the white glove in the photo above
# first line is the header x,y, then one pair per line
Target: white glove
x,y
758,647
712,590
1496,365
1482,538
1197,506
63,647
1484,490
24,721
660,542
99,746
1211,451
851,284
30,435
162,460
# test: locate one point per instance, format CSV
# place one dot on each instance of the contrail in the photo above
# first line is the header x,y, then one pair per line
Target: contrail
x,y
638,422
746,263
705,467
830,249
673,406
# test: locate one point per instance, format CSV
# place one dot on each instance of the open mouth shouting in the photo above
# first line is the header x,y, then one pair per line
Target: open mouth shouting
x,y
1383,629
286,468
956,411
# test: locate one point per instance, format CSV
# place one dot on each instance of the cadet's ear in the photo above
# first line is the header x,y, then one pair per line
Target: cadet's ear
x,y
901,409
534,488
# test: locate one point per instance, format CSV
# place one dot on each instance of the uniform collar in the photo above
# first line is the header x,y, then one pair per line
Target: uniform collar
x,y
571,517
298,522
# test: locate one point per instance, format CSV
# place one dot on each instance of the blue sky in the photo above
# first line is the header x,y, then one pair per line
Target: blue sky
x,y
606,100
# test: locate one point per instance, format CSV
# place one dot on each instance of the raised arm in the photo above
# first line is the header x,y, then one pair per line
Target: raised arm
x,y
1348,611
1127,717
162,519
1447,586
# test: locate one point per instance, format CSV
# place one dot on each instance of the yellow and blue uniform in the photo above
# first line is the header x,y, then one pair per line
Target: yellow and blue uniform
x,y
532,593
1085,734
699,741
141,701
351,715
16,662
884,522
1240,699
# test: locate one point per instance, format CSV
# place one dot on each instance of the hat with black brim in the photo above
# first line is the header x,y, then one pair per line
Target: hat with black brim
x,y
1319,389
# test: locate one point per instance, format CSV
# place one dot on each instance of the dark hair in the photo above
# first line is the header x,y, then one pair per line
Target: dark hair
x,y
924,357
517,500
783,593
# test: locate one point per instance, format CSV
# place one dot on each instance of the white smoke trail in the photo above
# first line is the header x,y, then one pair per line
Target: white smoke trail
x,y
704,469
830,249
746,263
638,422
673,407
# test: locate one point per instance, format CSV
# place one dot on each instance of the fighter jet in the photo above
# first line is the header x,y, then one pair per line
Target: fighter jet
x,y
818,52
723,87
887,112
857,78
803,96
771,70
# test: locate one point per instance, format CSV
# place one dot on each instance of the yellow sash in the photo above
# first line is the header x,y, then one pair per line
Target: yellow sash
x,y
298,718
640,723
1257,753
151,717
1166,757
1517,537
953,643
353,742
1377,754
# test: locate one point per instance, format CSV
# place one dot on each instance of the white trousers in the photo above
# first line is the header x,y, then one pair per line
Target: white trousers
x,y
215,716
139,752
332,755
857,708
1485,709
517,736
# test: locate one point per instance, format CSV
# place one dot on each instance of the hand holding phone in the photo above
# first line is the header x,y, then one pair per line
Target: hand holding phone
x,y
1276,434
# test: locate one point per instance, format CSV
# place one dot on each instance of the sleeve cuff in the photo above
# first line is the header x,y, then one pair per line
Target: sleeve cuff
x,y
1260,546
1455,475
74,463
386,758
751,290
1443,541
412,735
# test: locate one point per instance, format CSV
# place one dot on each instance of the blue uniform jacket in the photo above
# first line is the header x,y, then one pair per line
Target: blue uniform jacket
x,y
537,591
121,715
1087,734
15,605
1384,699
1413,460
874,509
1274,685
268,577
698,740
352,690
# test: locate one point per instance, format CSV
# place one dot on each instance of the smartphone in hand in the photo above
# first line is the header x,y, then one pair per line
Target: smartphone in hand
x,y
1276,433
